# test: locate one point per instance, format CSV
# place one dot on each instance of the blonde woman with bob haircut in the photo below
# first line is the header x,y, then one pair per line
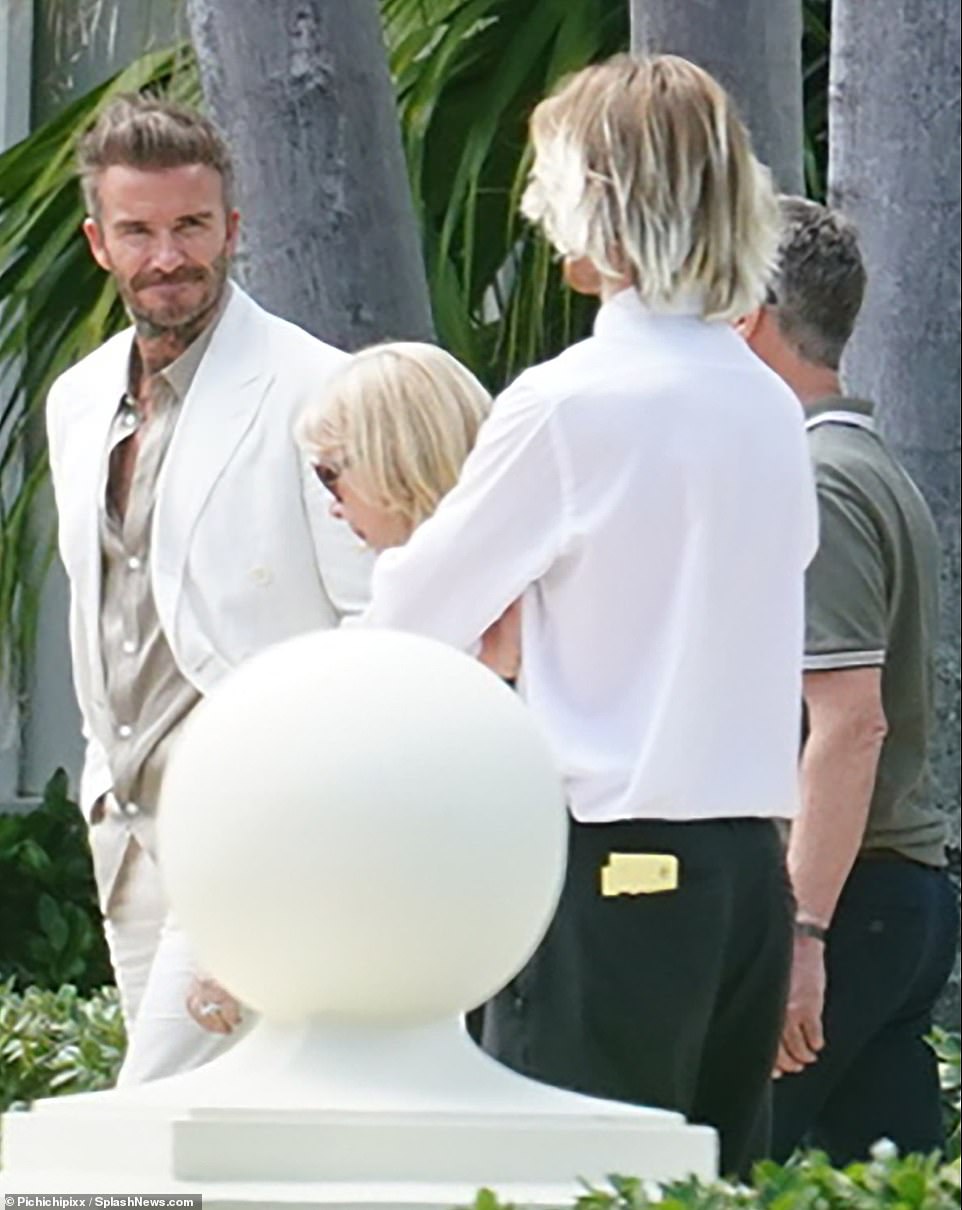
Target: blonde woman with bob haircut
x,y
390,434
648,496
388,438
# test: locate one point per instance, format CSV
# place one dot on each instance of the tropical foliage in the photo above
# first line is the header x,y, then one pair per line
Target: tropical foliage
x,y
948,1050
52,931
815,52
807,1182
467,73
54,1042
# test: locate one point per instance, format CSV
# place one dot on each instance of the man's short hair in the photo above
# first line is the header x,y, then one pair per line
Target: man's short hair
x,y
643,166
149,133
819,281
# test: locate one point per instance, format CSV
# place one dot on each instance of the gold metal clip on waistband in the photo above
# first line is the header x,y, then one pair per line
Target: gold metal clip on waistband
x,y
639,874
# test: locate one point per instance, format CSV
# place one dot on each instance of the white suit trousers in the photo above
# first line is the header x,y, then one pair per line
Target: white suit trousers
x,y
154,967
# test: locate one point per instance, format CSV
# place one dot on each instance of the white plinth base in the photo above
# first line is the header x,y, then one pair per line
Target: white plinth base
x,y
322,1116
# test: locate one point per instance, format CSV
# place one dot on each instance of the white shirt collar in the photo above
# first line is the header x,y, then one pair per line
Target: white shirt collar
x,y
624,310
857,420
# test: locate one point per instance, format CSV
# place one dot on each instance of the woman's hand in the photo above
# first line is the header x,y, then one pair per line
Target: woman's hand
x,y
501,643
212,1006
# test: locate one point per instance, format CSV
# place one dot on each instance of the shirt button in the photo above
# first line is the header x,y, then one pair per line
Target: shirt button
x,y
129,646
134,564
130,419
130,809
125,731
261,576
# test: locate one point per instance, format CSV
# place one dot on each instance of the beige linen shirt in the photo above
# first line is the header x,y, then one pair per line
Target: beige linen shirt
x,y
148,697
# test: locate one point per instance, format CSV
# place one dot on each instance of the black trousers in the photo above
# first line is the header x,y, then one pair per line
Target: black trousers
x,y
671,999
890,951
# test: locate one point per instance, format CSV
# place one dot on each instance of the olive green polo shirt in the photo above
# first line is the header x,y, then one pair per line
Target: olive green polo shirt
x,y
872,600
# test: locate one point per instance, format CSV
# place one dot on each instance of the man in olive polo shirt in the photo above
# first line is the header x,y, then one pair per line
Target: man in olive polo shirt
x,y
877,919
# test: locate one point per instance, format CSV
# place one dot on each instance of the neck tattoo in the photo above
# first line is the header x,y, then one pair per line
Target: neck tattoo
x,y
160,347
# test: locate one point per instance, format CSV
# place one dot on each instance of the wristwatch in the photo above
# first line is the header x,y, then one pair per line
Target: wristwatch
x,y
807,928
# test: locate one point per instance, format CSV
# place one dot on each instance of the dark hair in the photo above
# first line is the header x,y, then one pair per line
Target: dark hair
x,y
146,132
819,281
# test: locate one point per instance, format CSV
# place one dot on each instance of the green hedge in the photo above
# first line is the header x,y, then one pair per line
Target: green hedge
x,y
57,1042
807,1182
54,1042
947,1047
52,930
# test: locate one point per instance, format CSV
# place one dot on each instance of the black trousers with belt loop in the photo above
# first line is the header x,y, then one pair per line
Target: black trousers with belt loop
x,y
673,998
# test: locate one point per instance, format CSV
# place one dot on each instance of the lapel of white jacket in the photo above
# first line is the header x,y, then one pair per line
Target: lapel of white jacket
x,y
83,473
221,404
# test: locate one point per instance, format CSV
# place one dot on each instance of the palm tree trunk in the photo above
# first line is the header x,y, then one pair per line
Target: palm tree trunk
x,y
754,48
894,169
302,92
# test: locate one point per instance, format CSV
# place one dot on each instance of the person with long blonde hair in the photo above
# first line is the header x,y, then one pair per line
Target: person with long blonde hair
x,y
648,495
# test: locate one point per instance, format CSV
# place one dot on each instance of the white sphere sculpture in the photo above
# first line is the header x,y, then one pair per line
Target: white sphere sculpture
x,y
362,825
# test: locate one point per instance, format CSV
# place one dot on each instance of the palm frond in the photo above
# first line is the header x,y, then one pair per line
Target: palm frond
x,y
466,84
815,56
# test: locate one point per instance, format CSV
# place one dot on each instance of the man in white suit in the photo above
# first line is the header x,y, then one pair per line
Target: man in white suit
x,y
193,532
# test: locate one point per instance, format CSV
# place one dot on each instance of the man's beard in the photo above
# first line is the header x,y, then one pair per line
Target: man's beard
x,y
182,325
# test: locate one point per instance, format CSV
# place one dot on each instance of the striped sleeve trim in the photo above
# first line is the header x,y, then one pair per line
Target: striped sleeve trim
x,y
844,659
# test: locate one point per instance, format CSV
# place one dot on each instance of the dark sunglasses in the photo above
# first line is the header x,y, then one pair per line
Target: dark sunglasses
x,y
329,476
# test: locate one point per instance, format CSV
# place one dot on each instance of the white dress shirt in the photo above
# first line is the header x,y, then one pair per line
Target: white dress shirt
x,y
649,494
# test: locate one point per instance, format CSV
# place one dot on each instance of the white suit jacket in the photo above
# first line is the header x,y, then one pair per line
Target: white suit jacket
x,y
244,552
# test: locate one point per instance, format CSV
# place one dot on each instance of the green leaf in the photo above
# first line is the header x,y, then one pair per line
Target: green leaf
x,y
486,1200
55,1041
52,922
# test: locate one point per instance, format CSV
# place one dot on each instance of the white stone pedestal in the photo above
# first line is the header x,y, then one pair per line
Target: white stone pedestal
x,y
363,835
313,1116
